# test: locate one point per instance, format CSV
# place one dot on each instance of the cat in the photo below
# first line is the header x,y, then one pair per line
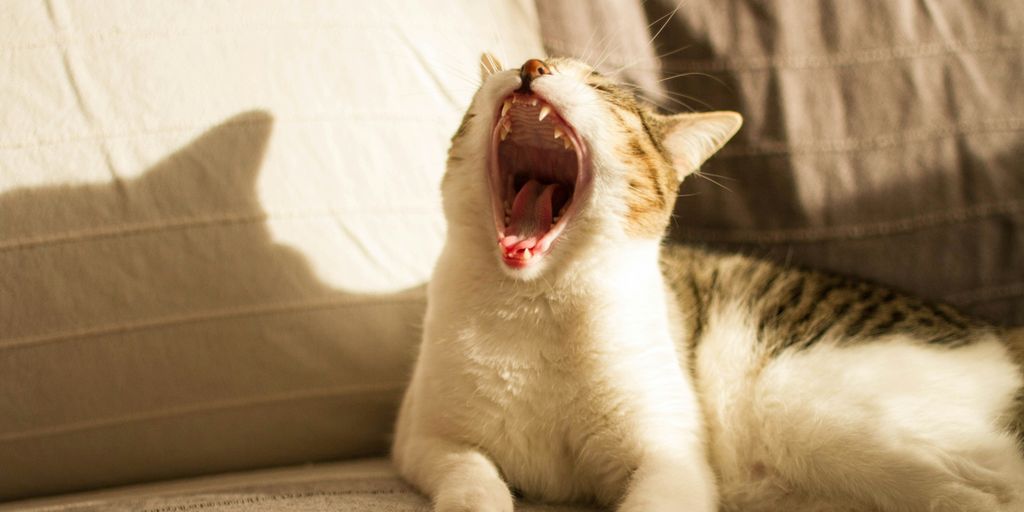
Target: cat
x,y
568,356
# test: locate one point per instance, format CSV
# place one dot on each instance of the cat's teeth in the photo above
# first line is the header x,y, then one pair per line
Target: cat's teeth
x,y
533,102
567,143
544,111
559,132
506,127
504,108
527,254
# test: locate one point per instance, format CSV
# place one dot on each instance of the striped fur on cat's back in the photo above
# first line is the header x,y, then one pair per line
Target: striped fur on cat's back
x,y
568,356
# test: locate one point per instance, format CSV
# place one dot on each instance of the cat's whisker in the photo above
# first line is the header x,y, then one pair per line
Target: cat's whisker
x,y
719,176
699,74
686,106
604,48
701,174
665,24
586,46
454,70
702,103
606,52
502,48
654,59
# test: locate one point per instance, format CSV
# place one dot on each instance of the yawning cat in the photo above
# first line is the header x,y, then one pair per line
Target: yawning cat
x,y
569,356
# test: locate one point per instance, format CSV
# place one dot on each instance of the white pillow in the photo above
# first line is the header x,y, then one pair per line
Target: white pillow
x,y
216,220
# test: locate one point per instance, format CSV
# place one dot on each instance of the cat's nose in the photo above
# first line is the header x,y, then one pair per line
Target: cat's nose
x,y
532,69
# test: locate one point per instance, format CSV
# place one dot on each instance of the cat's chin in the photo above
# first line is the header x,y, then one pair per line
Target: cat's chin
x,y
539,174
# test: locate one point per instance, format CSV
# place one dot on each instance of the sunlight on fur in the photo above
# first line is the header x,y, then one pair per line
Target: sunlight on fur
x,y
569,356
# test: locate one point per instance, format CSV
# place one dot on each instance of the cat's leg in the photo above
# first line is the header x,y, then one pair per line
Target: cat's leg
x,y
669,482
457,477
672,471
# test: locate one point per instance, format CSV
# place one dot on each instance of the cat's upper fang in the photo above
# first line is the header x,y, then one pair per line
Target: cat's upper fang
x,y
544,111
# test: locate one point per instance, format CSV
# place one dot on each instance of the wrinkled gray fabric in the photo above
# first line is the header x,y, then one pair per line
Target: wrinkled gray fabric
x,y
883,139
356,486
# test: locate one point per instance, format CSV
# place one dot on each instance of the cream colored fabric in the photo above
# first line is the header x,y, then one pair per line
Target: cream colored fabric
x,y
215,222
369,485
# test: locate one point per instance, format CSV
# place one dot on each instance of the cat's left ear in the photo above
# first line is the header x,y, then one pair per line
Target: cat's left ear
x,y
489,65
691,138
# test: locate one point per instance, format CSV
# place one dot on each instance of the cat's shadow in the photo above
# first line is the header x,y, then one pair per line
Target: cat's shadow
x,y
151,328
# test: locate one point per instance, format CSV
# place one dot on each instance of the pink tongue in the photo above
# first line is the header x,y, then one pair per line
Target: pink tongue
x,y
531,215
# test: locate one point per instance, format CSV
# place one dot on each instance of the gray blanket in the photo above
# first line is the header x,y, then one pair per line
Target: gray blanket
x,y
883,139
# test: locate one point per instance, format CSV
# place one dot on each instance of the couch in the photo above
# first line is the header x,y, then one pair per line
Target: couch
x,y
217,219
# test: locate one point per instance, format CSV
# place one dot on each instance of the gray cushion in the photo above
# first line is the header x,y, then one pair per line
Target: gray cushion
x,y
881,139
368,485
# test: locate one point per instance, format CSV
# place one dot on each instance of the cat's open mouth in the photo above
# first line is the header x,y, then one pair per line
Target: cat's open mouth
x,y
538,170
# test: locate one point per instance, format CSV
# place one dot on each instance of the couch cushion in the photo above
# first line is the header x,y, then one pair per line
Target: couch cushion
x,y
216,220
881,139
368,485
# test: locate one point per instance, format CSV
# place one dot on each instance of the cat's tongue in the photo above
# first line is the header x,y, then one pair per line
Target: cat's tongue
x,y
532,212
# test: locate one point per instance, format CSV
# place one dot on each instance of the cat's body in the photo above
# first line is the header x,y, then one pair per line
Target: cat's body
x,y
602,368
823,389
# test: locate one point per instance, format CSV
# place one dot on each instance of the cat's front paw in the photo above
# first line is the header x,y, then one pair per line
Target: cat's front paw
x,y
668,489
485,495
664,504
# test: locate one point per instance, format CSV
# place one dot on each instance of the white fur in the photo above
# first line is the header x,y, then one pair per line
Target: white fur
x,y
567,380
545,378
847,425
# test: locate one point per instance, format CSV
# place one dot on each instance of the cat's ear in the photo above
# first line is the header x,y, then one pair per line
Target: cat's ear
x,y
691,138
489,65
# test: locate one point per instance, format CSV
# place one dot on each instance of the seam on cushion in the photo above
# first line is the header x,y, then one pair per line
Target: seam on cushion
x,y
855,231
141,228
987,293
210,315
112,34
270,498
232,484
895,139
214,504
851,58
124,230
177,129
171,412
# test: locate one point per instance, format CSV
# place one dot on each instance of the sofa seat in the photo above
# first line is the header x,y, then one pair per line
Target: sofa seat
x,y
351,486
